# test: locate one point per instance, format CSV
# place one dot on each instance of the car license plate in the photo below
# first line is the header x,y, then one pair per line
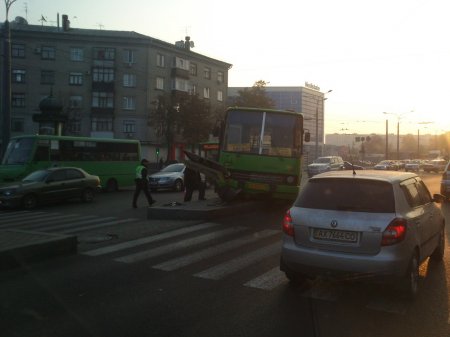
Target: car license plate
x,y
258,186
335,235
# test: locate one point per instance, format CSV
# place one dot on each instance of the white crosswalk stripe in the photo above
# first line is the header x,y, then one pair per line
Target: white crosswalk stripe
x,y
50,222
186,243
268,281
186,260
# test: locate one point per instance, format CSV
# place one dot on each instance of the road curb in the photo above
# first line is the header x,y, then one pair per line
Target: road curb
x,y
19,248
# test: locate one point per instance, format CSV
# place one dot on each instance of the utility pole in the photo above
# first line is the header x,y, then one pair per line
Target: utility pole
x,y
6,106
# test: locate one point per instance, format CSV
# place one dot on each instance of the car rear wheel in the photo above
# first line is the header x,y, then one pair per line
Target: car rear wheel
x,y
438,253
411,281
87,195
178,186
29,201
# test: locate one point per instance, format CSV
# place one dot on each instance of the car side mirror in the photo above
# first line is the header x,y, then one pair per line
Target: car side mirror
x,y
439,198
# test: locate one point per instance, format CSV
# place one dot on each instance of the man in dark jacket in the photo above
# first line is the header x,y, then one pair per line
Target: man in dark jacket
x,y
141,182
193,181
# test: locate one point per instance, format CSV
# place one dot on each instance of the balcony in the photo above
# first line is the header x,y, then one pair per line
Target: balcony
x,y
178,72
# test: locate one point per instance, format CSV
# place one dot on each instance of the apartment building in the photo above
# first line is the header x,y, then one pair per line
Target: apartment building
x,y
108,82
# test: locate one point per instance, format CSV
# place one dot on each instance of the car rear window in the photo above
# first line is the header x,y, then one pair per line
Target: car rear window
x,y
355,195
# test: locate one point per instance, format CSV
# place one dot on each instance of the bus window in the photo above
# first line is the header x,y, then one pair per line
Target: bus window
x,y
41,153
19,151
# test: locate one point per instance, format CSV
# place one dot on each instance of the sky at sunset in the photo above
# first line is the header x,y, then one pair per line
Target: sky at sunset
x,y
377,56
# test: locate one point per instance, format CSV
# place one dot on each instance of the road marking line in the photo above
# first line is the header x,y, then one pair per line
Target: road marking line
x,y
26,219
219,271
84,222
149,239
100,225
69,223
185,243
18,214
52,220
186,260
268,281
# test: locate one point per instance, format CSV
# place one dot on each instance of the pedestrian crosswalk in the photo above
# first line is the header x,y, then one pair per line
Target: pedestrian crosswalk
x,y
53,222
215,252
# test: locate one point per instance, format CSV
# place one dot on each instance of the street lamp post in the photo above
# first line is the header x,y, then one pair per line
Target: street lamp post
x,y
317,121
399,116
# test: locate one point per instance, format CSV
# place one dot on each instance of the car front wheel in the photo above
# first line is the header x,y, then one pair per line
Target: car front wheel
x,y
29,201
178,186
87,195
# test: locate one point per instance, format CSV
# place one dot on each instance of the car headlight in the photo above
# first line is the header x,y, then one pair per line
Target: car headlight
x,y
8,193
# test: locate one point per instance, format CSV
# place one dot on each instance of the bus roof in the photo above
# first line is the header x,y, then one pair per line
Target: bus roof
x,y
88,139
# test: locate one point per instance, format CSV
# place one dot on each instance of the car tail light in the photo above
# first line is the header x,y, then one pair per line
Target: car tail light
x,y
288,227
394,233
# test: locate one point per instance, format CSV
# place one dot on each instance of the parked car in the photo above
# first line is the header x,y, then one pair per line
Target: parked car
x,y
324,164
445,182
435,165
171,177
388,165
50,185
374,224
414,165
351,166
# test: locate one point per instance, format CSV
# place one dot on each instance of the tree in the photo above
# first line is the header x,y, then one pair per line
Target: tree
x,y
195,122
376,145
254,97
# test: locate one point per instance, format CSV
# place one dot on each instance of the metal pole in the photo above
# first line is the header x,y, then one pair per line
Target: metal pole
x,y
387,137
398,139
317,129
418,144
6,106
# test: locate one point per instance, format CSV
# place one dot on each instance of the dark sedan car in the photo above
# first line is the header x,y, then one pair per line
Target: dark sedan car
x,y
50,185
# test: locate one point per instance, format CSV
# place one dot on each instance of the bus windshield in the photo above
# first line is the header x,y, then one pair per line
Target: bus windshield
x,y
263,132
19,151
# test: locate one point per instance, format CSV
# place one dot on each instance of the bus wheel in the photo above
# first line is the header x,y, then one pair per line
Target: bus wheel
x,y
29,201
87,195
111,186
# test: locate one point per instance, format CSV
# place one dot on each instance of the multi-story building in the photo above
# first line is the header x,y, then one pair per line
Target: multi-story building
x,y
107,81
307,100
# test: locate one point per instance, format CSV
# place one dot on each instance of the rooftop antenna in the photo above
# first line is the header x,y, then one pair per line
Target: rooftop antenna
x,y
42,19
100,25
25,6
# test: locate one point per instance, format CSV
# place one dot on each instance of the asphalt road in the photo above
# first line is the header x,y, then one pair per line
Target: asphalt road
x,y
219,278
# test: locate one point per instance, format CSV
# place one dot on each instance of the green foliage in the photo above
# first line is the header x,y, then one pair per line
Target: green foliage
x,y
254,97
195,120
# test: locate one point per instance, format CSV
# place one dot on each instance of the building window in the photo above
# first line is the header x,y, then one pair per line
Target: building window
x,y
207,73
48,53
101,124
181,85
220,76
18,100
129,80
47,77
128,56
75,102
129,103
193,89
181,63
74,126
76,54
103,75
129,126
193,69
18,50
102,99
75,78
205,92
18,75
160,83
17,125
104,54
160,60
220,95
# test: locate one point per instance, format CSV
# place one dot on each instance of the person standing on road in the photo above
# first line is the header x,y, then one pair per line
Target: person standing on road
x,y
193,181
141,181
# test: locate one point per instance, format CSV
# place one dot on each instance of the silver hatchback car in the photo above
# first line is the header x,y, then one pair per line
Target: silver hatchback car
x,y
379,224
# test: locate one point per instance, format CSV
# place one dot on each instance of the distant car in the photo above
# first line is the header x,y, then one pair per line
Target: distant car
x,y
50,185
372,224
414,165
324,164
388,165
435,165
350,166
445,182
171,177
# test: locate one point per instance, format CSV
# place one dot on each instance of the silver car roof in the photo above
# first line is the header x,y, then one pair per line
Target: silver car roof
x,y
391,177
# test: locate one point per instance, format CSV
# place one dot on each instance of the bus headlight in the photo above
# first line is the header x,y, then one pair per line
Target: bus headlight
x,y
290,179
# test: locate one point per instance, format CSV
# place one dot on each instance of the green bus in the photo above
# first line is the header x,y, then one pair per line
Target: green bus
x,y
261,149
113,160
